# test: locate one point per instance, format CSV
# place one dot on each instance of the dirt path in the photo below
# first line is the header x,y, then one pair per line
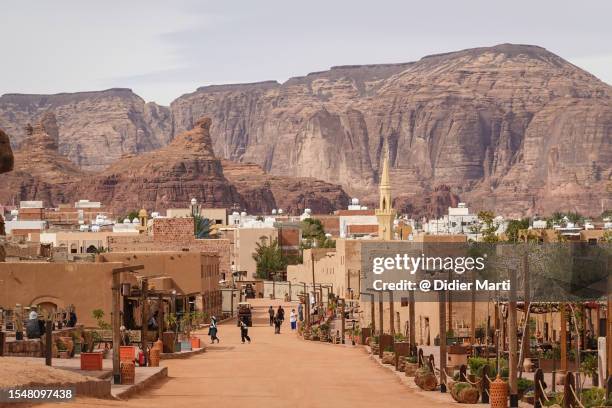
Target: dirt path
x,y
274,371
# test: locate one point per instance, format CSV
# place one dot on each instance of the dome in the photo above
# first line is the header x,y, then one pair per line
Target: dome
x,y
194,201
280,210
274,211
126,221
243,214
355,201
235,214
307,211
155,214
135,221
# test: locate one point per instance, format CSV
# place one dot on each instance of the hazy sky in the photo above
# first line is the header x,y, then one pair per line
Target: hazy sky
x,y
162,49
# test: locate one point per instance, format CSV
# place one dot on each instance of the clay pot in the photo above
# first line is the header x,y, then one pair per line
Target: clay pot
x,y
154,357
410,369
425,379
388,357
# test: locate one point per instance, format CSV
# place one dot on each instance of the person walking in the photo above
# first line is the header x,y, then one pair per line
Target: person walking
x,y
244,331
277,324
271,313
212,330
281,313
293,319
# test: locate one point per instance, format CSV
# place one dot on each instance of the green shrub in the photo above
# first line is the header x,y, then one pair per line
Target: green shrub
x,y
524,385
411,360
594,397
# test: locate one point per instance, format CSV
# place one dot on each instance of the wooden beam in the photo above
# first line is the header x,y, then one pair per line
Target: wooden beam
x,y
131,268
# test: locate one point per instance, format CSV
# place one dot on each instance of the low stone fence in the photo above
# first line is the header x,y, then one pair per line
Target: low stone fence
x,y
34,347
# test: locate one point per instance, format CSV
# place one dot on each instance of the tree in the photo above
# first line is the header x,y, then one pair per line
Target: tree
x,y
202,227
269,258
130,215
313,235
488,227
514,226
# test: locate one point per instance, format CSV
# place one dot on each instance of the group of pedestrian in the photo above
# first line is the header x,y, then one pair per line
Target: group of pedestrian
x,y
277,318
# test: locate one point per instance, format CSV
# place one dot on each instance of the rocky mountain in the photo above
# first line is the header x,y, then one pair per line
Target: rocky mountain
x,y
164,178
511,128
96,128
6,153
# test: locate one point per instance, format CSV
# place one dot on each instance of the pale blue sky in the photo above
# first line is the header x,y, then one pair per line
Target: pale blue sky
x,y
162,49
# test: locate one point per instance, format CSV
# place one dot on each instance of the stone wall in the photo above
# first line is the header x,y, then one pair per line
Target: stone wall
x,y
188,243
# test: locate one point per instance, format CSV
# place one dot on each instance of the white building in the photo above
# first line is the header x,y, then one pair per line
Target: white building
x,y
457,221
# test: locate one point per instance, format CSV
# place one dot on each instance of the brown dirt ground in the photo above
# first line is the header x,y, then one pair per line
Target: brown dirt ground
x,y
274,371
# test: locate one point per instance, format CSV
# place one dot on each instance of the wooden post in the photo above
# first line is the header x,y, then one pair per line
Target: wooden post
x,y
486,385
342,306
411,318
116,320
609,336
144,288
442,310
49,342
473,316
538,393
373,311
463,373
116,317
568,397
2,341
380,312
391,315
512,328
563,337
525,343
160,317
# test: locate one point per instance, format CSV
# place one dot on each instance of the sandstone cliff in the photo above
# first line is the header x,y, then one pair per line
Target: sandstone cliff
x,y
512,128
165,178
96,128
6,153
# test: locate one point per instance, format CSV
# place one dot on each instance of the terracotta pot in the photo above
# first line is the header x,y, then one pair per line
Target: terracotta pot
x,y
154,357
195,342
128,372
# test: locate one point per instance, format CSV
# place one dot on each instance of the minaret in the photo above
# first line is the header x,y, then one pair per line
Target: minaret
x,y
385,212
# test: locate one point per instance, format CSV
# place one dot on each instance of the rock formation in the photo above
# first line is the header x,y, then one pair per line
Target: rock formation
x,y
6,153
96,128
512,128
165,178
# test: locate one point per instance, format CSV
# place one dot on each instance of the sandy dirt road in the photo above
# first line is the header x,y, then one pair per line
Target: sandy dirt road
x,y
273,371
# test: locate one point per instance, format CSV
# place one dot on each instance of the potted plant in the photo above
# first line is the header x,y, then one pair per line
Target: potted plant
x,y
388,355
410,366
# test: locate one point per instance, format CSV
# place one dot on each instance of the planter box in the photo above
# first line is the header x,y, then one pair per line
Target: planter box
x,y
186,345
91,361
127,353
